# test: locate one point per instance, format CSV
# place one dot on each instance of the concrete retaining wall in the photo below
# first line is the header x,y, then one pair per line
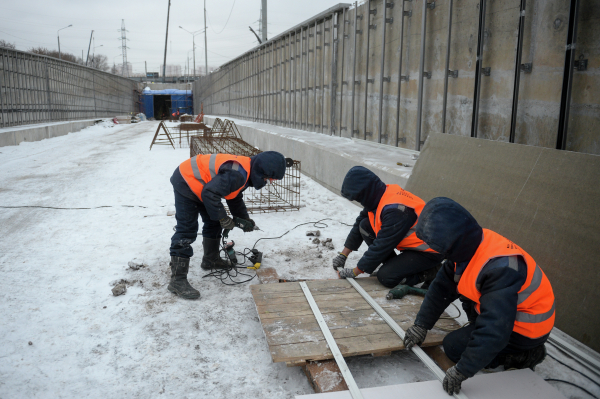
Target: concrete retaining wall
x,y
304,79
16,135
327,159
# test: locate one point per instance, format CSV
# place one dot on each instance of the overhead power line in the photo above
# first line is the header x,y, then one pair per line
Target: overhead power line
x,y
211,24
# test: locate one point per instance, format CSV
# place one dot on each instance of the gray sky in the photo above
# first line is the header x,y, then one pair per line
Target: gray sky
x,y
33,23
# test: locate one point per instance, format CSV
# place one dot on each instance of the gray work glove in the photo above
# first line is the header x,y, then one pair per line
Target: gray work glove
x,y
347,273
415,335
227,223
339,261
453,380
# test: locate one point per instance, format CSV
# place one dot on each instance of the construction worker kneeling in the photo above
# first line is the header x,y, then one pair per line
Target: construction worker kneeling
x,y
200,184
385,224
507,296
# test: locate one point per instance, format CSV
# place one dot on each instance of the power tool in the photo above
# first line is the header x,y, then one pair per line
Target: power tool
x,y
401,290
228,246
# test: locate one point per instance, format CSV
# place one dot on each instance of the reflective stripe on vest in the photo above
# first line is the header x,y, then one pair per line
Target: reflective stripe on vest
x,y
201,169
396,195
535,303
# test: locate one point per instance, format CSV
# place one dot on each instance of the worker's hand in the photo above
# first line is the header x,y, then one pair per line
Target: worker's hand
x,y
339,261
415,335
227,223
248,227
452,381
349,273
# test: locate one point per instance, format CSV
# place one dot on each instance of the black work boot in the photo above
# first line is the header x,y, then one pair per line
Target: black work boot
x,y
429,275
527,359
179,284
211,258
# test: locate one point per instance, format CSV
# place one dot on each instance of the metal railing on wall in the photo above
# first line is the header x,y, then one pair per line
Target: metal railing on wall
x,y
36,88
379,71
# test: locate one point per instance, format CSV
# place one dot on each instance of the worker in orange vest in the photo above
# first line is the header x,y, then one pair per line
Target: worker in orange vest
x,y
506,295
386,224
200,183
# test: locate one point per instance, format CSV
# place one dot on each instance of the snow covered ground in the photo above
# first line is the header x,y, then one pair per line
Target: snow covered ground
x,y
63,333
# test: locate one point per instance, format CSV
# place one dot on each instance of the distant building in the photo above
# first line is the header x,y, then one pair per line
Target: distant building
x,y
171,70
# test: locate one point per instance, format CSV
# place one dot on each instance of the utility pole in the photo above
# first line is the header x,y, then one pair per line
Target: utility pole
x,y
124,48
166,41
89,45
205,43
146,69
263,18
58,37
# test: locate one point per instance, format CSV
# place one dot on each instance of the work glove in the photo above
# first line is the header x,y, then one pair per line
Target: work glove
x,y
227,223
349,273
248,228
415,335
339,261
452,381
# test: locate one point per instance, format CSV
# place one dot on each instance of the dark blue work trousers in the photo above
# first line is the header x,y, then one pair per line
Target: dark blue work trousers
x,y
186,231
457,341
405,268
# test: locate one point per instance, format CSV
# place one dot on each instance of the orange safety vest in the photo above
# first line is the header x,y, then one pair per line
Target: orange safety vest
x,y
535,306
201,169
394,194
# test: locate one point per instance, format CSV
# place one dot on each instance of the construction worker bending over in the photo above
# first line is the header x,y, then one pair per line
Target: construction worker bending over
x,y
200,184
507,296
385,224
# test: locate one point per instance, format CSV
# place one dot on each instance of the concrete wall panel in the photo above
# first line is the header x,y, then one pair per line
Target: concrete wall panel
x,y
544,200
545,35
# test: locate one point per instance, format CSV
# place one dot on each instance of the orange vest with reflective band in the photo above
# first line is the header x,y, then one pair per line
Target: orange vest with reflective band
x,y
394,194
535,306
201,169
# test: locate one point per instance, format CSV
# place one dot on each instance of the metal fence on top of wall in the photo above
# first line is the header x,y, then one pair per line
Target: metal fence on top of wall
x,y
391,71
35,89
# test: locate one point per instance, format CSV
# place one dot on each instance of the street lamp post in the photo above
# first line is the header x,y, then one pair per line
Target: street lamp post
x,y
193,43
206,43
58,37
94,55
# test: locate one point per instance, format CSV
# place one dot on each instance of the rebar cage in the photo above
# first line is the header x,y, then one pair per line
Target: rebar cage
x,y
277,196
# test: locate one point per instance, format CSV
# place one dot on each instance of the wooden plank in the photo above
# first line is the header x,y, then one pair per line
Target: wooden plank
x,y
317,286
332,345
349,324
267,275
439,356
293,334
325,376
302,309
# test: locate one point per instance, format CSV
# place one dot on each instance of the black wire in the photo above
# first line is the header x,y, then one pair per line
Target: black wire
x,y
577,371
316,224
232,271
53,207
575,385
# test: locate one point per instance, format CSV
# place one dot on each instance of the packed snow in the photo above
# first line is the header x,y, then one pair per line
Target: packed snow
x,y
64,334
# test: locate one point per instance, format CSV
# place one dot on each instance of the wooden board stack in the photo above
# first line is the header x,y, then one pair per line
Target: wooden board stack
x,y
294,336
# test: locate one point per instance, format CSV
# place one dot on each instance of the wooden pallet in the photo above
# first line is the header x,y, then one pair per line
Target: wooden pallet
x,y
293,335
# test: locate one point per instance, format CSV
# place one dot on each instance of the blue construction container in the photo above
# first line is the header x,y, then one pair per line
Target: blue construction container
x,y
159,104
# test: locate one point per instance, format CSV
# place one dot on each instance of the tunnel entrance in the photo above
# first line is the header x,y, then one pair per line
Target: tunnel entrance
x,y
162,107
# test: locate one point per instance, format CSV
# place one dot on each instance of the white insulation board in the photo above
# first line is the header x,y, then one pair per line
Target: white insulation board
x,y
522,384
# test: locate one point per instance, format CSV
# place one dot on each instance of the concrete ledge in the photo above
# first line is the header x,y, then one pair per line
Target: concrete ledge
x,y
326,158
16,135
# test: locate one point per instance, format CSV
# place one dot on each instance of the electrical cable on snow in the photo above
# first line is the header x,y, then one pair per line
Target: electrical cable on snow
x,y
231,272
575,385
572,368
53,207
